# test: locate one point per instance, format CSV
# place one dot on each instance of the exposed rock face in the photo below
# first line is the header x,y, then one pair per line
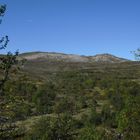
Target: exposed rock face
x,y
72,58
107,58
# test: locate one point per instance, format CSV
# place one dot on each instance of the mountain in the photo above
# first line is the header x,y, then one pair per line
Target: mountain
x,y
107,58
42,65
46,56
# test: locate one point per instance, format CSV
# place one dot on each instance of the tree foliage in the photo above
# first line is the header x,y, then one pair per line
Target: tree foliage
x,y
7,128
61,127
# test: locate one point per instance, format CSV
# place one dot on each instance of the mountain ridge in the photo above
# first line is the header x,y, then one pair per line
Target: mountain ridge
x,y
54,56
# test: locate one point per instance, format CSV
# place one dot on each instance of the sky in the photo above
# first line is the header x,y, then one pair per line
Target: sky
x,y
85,27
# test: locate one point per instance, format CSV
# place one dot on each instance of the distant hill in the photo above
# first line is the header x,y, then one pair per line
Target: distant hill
x,y
47,56
43,64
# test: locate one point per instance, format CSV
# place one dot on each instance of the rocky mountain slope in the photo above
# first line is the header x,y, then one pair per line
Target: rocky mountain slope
x,y
71,57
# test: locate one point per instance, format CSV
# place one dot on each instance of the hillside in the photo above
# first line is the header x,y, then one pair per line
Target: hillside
x,y
42,65
71,57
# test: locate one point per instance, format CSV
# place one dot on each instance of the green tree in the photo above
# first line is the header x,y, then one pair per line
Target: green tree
x,y
129,119
65,104
44,98
61,127
89,132
7,129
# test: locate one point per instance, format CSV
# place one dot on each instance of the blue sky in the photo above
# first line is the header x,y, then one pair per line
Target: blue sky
x,y
85,27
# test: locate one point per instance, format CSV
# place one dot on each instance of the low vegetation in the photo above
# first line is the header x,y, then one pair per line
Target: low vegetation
x,y
75,105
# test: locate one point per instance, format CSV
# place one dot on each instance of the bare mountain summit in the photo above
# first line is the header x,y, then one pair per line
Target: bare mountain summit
x,y
107,58
51,56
